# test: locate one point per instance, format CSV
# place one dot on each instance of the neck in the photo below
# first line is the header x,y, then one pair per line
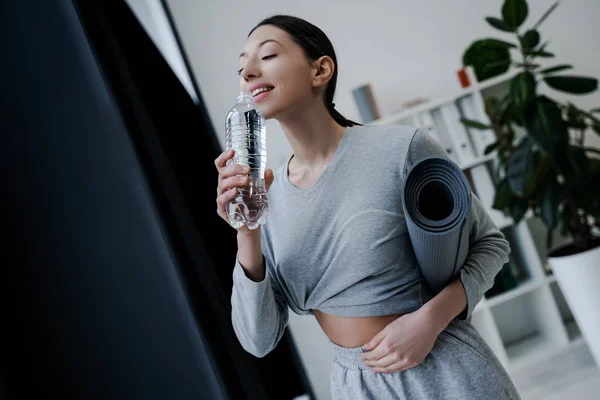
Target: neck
x,y
313,135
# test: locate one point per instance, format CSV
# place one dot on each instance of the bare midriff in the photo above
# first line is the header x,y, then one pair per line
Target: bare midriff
x,y
352,331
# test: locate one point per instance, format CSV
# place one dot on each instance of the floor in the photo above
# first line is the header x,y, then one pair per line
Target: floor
x,y
571,375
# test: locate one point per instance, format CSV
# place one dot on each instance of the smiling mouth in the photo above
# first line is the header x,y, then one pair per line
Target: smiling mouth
x,y
258,91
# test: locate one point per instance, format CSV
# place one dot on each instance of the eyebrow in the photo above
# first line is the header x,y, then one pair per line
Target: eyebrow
x,y
261,44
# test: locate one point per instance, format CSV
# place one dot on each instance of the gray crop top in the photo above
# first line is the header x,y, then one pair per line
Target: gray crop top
x,y
343,248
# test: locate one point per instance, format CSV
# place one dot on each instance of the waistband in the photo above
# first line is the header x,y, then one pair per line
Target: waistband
x,y
349,357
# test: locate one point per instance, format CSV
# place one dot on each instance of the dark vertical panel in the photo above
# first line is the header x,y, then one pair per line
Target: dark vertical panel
x,y
94,304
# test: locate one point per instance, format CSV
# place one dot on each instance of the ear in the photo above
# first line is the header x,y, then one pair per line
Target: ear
x,y
323,69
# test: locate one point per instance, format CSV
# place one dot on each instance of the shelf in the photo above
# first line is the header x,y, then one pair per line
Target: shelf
x,y
409,112
478,161
496,80
521,289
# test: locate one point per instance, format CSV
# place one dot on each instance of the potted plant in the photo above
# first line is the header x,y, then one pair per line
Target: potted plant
x,y
544,165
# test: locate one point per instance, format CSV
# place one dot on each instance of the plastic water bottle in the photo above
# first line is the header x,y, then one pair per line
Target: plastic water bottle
x,y
245,128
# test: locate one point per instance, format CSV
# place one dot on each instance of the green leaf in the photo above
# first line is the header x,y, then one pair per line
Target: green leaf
x,y
573,164
572,84
518,208
510,113
587,196
522,89
514,12
556,68
546,14
589,115
503,196
502,64
545,125
481,53
596,127
550,199
595,110
519,166
531,66
540,53
542,165
489,148
474,124
499,24
576,124
530,39
501,44
575,117
543,46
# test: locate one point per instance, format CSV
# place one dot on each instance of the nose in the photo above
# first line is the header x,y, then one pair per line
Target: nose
x,y
250,70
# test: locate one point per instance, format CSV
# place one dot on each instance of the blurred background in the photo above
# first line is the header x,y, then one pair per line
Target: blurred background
x,y
405,49
120,274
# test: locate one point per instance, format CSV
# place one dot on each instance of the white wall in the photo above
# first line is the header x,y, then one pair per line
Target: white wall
x,y
397,45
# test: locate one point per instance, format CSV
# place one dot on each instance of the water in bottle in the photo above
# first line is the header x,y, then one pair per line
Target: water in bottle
x,y
245,128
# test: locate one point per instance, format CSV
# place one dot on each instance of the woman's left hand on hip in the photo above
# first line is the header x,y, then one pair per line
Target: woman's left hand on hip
x,y
403,343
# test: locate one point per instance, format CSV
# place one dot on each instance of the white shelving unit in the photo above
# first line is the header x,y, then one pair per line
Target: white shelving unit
x,y
532,321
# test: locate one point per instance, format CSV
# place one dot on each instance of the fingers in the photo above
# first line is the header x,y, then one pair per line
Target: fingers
x,y
221,161
384,361
234,175
222,201
391,362
375,347
231,178
232,170
382,348
397,366
377,353
232,182
227,190
269,178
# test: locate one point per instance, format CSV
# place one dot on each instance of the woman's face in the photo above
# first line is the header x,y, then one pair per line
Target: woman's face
x,y
276,71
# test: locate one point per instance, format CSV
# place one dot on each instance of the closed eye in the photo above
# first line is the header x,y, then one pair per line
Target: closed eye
x,y
265,58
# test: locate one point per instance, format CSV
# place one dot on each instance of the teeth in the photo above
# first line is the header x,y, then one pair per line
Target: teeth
x,y
260,90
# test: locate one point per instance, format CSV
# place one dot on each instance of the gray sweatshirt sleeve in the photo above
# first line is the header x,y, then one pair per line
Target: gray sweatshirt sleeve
x,y
488,249
259,312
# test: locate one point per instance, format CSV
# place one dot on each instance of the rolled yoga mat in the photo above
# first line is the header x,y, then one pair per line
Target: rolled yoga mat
x,y
437,205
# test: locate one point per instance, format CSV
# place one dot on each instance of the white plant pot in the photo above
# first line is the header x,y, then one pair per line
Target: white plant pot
x,y
578,277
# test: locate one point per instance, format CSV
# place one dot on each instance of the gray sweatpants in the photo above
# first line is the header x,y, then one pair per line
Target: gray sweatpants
x,y
460,366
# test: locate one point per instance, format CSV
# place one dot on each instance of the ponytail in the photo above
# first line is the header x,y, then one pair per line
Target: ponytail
x,y
339,118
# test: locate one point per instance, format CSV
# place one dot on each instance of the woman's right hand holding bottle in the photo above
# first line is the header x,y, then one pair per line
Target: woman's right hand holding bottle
x,y
232,177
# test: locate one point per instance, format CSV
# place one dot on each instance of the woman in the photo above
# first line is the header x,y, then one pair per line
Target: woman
x,y
336,243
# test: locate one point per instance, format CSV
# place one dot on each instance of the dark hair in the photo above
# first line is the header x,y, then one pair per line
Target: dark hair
x,y
315,44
